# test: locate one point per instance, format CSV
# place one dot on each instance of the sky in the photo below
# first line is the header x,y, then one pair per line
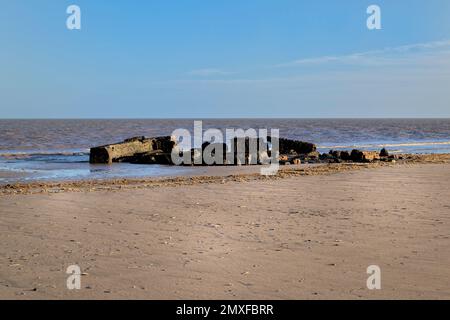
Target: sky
x,y
224,59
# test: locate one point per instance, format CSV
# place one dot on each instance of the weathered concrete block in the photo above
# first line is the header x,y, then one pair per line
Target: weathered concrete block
x,y
130,149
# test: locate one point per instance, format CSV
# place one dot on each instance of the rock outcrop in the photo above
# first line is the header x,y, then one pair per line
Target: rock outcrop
x,y
136,150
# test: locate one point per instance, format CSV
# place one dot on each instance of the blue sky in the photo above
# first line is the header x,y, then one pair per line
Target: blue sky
x,y
234,58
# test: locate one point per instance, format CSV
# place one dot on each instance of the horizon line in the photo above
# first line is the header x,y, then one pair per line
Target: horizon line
x,y
238,118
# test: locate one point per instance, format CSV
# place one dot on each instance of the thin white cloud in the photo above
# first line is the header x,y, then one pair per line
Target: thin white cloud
x,y
416,85
208,72
373,57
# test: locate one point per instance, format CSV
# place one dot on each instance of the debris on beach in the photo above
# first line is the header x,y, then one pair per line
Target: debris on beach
x,y
135,150
158,150
358,156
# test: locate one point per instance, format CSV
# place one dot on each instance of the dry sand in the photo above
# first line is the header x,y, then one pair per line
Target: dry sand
x,y
300,237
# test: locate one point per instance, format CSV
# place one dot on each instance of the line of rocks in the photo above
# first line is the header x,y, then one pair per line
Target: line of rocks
x,y
158,150
358,156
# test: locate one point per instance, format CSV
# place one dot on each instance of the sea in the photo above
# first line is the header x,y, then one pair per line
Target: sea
x,y
58,149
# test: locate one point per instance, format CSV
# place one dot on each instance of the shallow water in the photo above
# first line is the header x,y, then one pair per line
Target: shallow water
x,y
59,149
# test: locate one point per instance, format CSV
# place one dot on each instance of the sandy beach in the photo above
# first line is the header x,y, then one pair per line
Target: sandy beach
x,y
302,235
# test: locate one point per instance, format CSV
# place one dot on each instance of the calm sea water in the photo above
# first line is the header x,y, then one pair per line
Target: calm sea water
x,y
59,149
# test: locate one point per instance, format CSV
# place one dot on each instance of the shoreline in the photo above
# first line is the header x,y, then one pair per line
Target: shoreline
x,y
213,174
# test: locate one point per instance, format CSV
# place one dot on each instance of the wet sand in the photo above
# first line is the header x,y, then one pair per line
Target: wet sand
x,y
307,234
207,174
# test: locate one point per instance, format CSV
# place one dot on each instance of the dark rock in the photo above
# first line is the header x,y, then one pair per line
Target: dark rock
x,y
340,155
345,155
152,157
336,154
325,156
384,153
357,156
287,146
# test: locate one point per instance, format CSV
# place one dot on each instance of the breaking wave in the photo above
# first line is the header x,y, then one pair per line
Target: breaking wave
x,y
389,145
